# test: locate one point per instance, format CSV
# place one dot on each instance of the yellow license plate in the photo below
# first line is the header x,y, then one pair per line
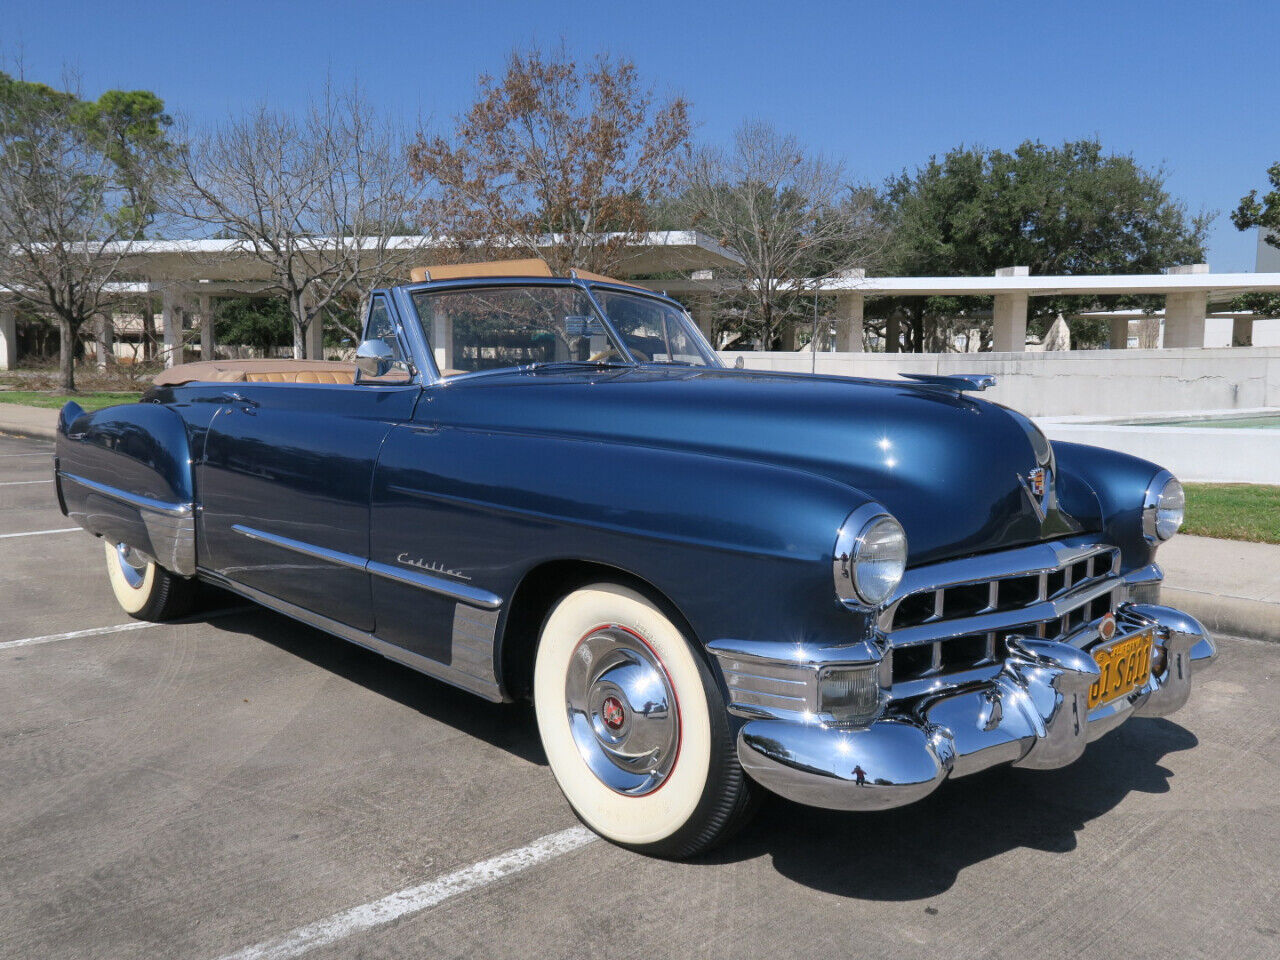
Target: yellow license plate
x,y
1125,666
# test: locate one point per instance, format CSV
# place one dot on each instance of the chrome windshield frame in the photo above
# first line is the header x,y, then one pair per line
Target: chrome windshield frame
x,y
404,297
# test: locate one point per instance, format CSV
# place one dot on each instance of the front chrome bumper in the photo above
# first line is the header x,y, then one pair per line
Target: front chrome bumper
x,y
1032,714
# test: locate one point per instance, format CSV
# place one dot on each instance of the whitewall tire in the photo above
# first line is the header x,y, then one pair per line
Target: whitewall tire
x,y
144,589
633,725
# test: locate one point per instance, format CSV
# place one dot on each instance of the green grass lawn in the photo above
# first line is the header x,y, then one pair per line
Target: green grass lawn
x,y
54,401
1233,511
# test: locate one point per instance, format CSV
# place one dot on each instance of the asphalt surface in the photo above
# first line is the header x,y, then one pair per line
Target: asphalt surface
x,y
196,789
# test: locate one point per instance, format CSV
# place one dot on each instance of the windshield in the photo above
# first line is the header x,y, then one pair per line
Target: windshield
x,y
653,330
471,329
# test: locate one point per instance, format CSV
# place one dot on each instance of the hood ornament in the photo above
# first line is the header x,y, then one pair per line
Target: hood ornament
x,y
958,382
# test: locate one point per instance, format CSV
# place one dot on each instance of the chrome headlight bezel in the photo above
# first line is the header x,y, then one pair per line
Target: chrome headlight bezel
x,y
1163,508
863,531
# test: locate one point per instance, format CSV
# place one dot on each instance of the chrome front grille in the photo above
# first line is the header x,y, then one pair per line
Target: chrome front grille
x,y
950,620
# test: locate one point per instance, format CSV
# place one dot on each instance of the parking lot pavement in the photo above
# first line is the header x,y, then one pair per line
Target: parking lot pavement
x,y
196,789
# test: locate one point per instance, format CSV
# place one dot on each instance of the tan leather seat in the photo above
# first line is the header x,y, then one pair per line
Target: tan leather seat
x,y
258,371
303,376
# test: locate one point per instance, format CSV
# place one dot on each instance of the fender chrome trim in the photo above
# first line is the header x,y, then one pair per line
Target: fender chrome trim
x,y
160,530
463,593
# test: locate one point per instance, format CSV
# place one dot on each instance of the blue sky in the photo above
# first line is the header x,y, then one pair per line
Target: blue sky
x,y
1187,85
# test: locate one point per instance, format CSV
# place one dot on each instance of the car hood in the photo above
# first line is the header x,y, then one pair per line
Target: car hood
x,y
947,465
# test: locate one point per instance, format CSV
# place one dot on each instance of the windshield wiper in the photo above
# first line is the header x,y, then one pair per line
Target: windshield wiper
x,y
574,364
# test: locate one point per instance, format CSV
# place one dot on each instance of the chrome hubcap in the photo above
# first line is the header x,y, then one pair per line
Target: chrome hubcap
x,y
132,566
622,712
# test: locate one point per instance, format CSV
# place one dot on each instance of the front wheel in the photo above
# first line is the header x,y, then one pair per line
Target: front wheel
x,y
143,588
634,727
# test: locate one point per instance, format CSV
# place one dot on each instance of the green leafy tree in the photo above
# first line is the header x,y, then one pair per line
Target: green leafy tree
x,y
1070,209
263,323
78,185
1264,214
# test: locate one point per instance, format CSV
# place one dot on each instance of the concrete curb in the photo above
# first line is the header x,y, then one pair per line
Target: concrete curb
x,y
1236,616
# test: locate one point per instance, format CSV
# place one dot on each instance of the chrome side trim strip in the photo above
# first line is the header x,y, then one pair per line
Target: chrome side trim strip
x,y
474,596
133,499
298,546
486,687
461,592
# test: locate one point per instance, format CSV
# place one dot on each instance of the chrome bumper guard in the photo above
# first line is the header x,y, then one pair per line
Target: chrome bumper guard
x,y
1032,714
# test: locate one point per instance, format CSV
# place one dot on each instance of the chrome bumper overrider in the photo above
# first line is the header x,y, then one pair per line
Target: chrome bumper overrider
x,y
1032,714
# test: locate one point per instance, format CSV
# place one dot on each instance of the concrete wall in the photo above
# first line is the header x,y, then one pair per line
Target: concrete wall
x,y
1220,455
1077,383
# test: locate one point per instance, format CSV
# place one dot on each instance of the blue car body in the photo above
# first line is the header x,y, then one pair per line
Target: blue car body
x,y
435,520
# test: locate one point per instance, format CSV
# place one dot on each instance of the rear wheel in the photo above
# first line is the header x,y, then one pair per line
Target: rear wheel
x,y
634,727
143,588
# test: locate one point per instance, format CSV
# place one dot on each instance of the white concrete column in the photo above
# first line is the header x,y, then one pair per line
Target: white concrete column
x,y
1009,315
205,304
315,333
442,338
1184,312
849,315
699,307
8,337
1184,319
105,335
1242,332
1119,333
171,322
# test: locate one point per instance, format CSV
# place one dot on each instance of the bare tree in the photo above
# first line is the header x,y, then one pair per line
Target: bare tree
x,y
78,182
324,202
791,217
558,161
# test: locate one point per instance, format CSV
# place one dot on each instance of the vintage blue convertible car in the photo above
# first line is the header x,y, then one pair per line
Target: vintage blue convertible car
x,y
708,580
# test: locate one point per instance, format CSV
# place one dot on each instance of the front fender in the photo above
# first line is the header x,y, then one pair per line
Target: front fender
x,y
743,548
1105,489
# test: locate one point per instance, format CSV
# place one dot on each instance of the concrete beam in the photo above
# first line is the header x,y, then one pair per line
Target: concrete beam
x,y
8,337
849,316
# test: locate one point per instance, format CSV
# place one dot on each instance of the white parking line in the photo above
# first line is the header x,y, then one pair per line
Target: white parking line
x,y
414,899
122,627
21,483
93,631
7,455
39,533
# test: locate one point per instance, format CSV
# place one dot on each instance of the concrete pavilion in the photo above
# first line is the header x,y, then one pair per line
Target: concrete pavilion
x,y
1188,291
184,277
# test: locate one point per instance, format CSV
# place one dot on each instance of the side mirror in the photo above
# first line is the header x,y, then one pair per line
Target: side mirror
x,y
374,358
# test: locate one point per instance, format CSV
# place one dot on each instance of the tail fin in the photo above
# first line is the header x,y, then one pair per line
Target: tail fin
x,y
71,411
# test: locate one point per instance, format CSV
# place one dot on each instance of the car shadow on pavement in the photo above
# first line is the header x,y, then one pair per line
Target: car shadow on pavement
x,y
508,726
918,851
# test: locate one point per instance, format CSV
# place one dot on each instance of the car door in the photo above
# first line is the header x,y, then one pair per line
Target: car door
x,y
285,483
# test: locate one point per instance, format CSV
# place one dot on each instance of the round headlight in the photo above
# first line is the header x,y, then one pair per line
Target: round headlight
x,y
1164,508
1171,507
871,556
